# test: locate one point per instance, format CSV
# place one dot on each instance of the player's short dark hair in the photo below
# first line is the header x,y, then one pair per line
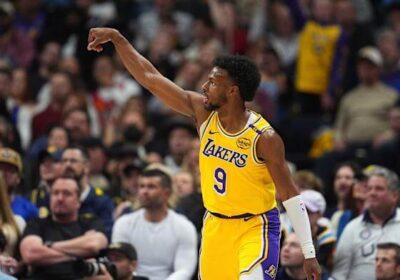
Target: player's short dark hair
x,y
242,71
391,246
166,181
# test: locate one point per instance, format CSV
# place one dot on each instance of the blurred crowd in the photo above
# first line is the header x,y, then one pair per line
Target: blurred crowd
x,y
82,143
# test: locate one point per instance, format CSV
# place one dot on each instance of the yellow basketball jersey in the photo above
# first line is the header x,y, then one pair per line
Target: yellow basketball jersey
x,y
317,44
233,180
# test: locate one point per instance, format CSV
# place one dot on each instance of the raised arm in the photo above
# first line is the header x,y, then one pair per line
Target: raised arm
x,y
185,102
271,149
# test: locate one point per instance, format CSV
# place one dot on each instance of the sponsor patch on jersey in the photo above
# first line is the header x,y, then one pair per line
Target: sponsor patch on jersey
x,y
243,143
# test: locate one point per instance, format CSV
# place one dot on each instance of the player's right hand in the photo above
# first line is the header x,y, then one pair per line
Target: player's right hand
x,y
312,269
98,36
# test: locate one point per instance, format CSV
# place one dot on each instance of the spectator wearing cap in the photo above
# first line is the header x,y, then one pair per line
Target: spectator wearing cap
x,y
166,242
11,167
75,163
126,200
49,170
356,250
323,236
362,114
124,257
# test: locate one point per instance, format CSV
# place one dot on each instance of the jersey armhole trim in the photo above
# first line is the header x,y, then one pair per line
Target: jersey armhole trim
x,y
205,124
254,151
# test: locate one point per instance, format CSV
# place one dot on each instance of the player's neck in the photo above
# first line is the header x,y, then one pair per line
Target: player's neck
x,y
233,118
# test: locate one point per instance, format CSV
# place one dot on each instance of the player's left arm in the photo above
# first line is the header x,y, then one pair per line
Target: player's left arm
x,y
270,148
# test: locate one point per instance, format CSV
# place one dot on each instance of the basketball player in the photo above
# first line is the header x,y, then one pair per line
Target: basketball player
x,y
241,161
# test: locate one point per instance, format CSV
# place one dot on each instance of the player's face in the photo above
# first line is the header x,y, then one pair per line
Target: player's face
x,y
215,89
385,264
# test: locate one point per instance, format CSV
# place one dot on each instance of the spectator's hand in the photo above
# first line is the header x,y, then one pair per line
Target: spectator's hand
x,y
99,36
104,275
8,265
312,269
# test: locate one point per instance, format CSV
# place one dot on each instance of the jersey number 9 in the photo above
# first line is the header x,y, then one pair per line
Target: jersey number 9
x,y
220,177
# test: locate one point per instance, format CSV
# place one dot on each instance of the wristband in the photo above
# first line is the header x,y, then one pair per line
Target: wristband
x,y
298,216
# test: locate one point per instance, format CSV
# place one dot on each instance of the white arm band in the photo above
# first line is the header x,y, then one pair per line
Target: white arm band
x,y
296,210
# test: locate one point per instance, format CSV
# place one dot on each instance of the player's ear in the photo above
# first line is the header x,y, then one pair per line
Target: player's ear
x,y
234,91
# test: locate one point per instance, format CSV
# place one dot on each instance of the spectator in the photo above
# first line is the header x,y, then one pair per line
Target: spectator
x,y
284,38
361,116
180,135
184,184
307,180
126,200
387,261
321,45
149,23
389,47
11,227
156,226
191,161
75,163
322,234
343,187
11,167
42,71
61,85
77,123
17,48
387,153
21,104
291,260
49,169
51,245
272,87
113,88
355,255
124,257
358,36
97,163
357,123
